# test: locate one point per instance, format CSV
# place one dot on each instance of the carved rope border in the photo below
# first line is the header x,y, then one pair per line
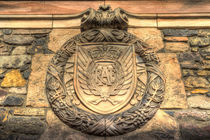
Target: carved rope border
x,y
104,125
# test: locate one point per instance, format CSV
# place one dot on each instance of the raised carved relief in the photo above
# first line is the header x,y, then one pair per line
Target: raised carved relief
x,y
105,81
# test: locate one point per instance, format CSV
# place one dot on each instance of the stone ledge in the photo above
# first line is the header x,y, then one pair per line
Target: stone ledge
x,y
135,20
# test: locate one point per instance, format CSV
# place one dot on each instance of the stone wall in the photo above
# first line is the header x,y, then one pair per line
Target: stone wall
x,y
26,114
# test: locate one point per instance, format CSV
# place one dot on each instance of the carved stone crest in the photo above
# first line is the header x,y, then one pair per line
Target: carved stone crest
x,y
105,81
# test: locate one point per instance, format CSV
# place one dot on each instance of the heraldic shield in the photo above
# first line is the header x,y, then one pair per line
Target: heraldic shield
x,y
105,76
105,81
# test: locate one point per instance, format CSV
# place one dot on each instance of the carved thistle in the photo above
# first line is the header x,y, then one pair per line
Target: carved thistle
x,y
105,81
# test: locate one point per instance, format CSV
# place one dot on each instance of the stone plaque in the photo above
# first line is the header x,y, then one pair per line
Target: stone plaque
x,y
105,81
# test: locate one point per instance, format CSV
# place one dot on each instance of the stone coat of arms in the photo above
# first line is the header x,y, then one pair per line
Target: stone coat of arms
x,y
105,81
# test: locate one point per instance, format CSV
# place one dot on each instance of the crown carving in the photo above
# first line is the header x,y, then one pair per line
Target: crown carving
x,y
105,52
104,17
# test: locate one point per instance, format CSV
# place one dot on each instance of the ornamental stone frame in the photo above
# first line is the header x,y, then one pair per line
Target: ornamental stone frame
x,y
105,81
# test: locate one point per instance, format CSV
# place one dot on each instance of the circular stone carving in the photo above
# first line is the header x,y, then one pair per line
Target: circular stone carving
x,y
116,70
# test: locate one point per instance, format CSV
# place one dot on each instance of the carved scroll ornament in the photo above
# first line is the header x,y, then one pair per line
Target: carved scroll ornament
x,y
105,81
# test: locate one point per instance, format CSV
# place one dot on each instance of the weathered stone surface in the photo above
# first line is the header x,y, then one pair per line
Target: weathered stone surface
x,y
36,84
2,72
13,101
203,72
152,36
190,60
176,47
3,116
31,31
15,61
192,81
176,39
194,124
13,79
18,40
25,125
29,112
205,52
199,115
194,49
199,101
179,32
59,36
204,32
17,90
19,50
7,31
4,49
198,91
199,41
58,130
188,56
187,72
175,96
160,127
3,95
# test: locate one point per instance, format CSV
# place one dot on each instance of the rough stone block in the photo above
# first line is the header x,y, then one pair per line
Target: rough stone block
x,y
152,36
199,101
13,101
199,41
196,82
36,86
20,50
15,61
18,40
13,79
175,96
29,112
179,32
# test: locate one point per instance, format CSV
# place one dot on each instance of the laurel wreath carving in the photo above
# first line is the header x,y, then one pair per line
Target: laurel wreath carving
x,y
61,101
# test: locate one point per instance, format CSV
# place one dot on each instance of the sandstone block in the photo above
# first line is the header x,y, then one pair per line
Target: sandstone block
x,y
59,36
15,61
36,86
176,39
175,96
176,47
152,36
199,101
13,79
198,91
